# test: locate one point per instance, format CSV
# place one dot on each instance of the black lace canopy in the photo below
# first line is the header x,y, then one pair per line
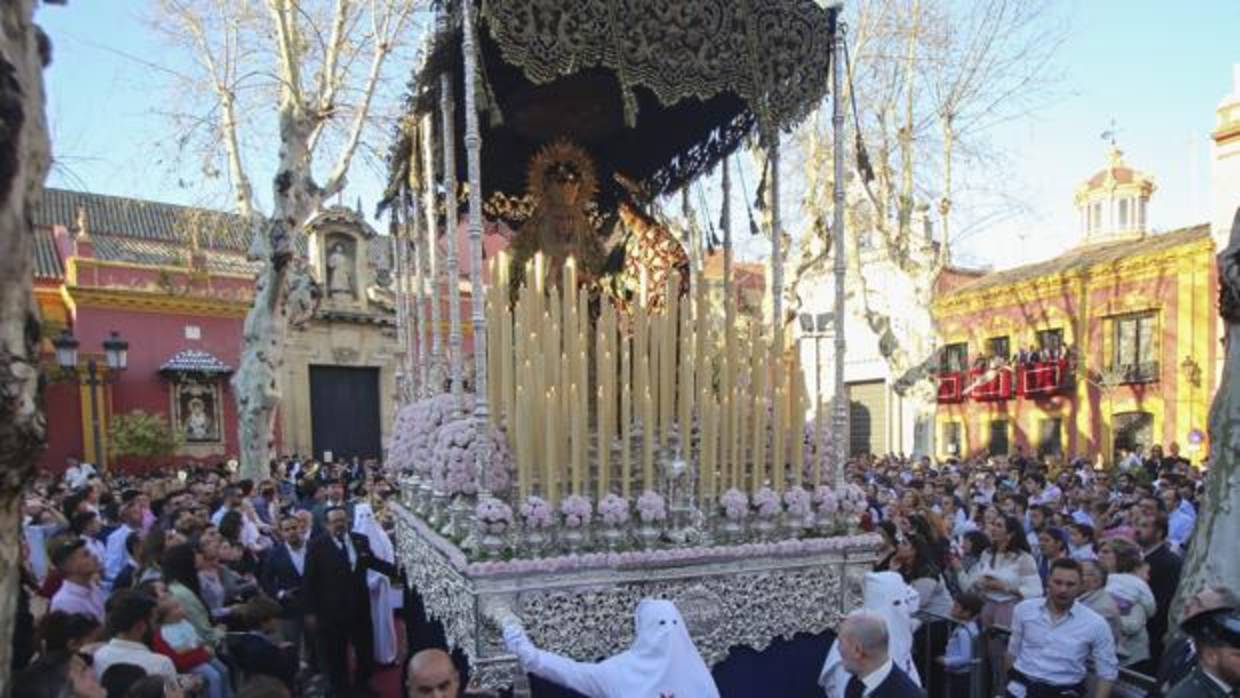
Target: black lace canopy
x,y
657,91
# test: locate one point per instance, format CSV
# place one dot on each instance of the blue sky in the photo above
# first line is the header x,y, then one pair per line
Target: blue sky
x,y
1158,69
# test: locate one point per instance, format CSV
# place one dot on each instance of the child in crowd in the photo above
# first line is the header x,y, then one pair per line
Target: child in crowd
x,y
960,657
177,639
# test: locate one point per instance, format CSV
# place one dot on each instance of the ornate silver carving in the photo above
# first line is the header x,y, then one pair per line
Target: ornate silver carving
x,y
587,615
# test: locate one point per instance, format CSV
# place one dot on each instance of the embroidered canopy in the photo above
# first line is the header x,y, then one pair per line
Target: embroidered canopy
x,y
657,91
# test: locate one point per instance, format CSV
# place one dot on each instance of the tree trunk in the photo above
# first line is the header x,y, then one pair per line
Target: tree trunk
x,y
25,154
1211,558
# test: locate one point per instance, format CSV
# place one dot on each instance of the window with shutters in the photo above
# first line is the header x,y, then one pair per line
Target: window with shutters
x,y
1134,355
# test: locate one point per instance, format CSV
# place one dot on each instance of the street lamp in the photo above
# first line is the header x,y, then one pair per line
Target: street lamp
x,y
116,357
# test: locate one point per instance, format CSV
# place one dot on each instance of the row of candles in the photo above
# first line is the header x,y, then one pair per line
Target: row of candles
x,y
659,384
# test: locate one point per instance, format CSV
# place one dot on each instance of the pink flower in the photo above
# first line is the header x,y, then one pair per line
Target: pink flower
x,y
614,510
576,510
735,504
766,502
536,512
797,501
651,507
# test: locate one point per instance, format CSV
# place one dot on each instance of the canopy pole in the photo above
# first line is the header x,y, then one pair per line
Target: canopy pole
x,y
397,239
455,359
839,408
473,152
777,257
425,231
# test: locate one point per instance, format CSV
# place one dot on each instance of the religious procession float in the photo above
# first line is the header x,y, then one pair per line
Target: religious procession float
x,y
617,431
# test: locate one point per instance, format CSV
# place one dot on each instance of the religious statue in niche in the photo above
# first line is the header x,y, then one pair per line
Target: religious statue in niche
x,y
197,410
341,271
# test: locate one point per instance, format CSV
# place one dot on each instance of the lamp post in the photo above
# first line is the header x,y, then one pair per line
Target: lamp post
x,y
814,326
116,356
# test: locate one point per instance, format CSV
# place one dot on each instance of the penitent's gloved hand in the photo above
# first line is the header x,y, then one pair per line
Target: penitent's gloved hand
x,y
519,644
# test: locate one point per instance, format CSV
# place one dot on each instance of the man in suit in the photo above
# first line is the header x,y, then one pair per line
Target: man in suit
x,y
863,651
1164,566
281,578
338,601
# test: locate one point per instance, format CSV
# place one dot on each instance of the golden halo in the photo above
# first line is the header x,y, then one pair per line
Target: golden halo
x,y
561,153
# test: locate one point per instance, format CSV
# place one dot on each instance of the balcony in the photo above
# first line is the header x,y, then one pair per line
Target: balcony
x,y
988,384
951,387
1042,378
1143,372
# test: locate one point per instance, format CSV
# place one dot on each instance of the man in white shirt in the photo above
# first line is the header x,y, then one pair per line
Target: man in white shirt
x,y
76,474
1181,517
115,556
232,502
77,593
1053,636
87,526
131,621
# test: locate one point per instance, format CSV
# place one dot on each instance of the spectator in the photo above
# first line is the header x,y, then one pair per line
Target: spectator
x,y
1164,578
1053,636
961,656
1053,545
116,554
78,592
119,677
86,525
1097,598
64,675
864,654
1207,617
972,547
131,620
176,639
433,675
1181,517
261,649
1122,561
65,633
125,577
180,568
281,577
1081,542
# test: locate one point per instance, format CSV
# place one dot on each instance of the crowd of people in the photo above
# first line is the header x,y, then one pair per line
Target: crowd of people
x,y
212,584
978,538
1033,573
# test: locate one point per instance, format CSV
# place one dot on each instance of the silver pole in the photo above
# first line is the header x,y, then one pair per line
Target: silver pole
x,y
473,151
777,257
399,277
839,421
425,233
455,360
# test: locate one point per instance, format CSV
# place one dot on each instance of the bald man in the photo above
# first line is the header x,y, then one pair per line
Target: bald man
x,y
433,675
863,650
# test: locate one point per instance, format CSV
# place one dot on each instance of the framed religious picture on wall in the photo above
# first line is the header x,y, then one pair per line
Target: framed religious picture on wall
x,y
196,404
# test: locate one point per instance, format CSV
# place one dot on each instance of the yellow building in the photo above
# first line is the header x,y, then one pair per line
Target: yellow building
x,y
1125,329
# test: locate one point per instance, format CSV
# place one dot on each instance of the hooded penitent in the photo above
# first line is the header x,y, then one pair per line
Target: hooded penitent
x,y
662,661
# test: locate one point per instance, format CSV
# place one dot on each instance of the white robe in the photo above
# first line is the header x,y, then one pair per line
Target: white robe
x,y
886,594
382,611
663,661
